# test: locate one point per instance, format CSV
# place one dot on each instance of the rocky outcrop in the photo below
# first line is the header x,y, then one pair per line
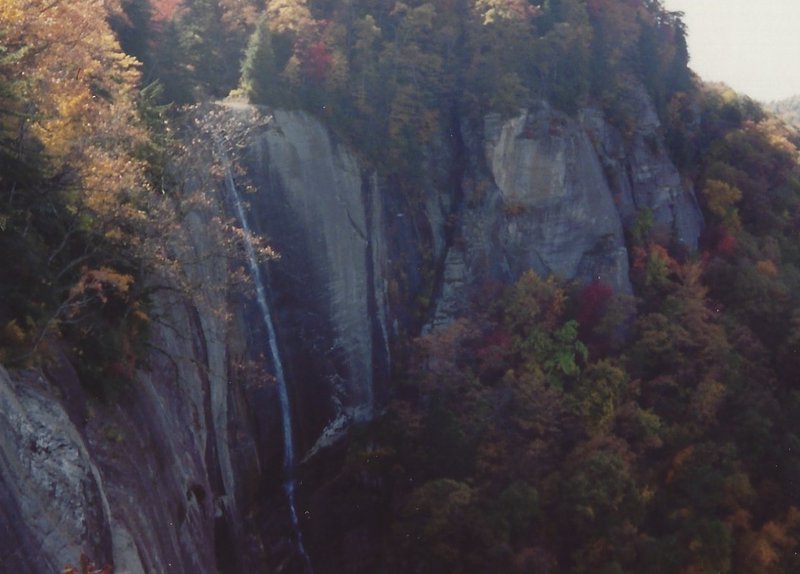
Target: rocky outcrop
x,y
183,471
547,192
166,476
146,484
52,505
558,213
641,175
541,201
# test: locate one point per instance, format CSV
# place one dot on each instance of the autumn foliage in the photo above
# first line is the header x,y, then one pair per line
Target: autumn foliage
x,y
670,446
82,149
73,91
553,427
86,566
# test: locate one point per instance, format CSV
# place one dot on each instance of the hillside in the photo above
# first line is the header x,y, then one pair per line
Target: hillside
x,y
445,286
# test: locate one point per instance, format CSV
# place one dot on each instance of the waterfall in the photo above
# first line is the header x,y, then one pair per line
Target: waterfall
x,y
283,395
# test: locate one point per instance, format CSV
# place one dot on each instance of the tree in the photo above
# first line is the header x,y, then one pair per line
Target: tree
x,y
79,90
205,45
599,504
260,78
171,66
599,393
436,523
364,63
133,26
563,57
721,200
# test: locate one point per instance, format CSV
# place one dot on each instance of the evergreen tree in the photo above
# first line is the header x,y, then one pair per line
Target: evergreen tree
x,y
204,43
170,66
260,78
679,75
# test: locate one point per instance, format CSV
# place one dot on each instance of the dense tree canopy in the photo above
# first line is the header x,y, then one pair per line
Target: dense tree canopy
x,y
397,71
86,190
77,166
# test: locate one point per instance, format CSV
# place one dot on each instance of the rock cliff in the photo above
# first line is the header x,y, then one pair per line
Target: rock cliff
x,y
640,174
150,483
322,212
166,476
182,474
540,202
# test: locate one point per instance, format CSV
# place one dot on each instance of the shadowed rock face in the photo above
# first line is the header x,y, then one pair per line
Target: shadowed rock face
x,y
641,175
546,192
135,484
52,505
168,476
322,212
184,473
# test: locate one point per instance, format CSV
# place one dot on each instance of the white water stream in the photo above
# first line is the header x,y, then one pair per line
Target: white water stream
x,y
263,305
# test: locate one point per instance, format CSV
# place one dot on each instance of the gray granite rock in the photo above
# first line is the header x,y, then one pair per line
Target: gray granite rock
x,y
323,213
641,174
51,501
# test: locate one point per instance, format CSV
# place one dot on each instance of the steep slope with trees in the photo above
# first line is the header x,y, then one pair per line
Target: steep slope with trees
x,y
77,173
562,270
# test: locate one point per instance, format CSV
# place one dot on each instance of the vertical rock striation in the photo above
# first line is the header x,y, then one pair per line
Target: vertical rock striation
x,y
323,214
51,501
558,215
147,484
166,476
641,175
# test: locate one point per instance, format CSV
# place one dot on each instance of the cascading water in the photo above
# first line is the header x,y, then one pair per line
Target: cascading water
x,y
263,305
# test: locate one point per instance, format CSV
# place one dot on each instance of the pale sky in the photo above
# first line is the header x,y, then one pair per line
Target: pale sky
x,y
751,45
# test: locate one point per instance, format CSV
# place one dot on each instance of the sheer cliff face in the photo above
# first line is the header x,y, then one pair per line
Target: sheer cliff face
x,y
540,202
547,192
323,214
557,205
641,176
183,475
51,504
166,477
149,483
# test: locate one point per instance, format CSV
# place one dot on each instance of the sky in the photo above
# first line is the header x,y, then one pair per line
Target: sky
x,y
751,45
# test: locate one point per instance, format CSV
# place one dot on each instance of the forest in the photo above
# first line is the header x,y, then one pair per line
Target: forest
x,y
557,426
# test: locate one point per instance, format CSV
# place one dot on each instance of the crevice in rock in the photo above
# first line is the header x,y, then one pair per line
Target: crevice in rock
x,y
355,227
455,191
